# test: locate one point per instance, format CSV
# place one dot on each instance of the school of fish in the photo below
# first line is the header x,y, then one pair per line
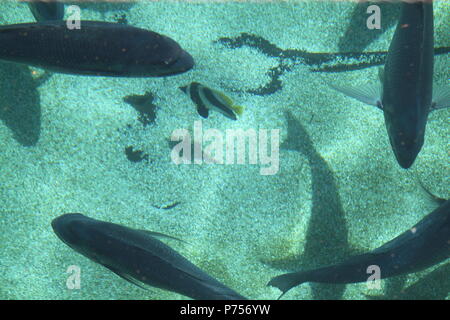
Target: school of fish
x,y
406,96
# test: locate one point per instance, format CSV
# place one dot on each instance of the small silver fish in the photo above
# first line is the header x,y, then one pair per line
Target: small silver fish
x,y
209,99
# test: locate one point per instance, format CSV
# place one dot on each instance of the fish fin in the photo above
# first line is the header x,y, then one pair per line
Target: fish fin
x,y
222,96
161,235
287,281
221,291
238,109
184,89
380,89
126,277
435,198
203,111
441,97
370,94
381,74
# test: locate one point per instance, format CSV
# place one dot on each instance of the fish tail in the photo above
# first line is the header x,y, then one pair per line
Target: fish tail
x,y
287,281
238,109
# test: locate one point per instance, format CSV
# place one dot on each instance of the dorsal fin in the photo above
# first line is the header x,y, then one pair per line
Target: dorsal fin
x,y
161,235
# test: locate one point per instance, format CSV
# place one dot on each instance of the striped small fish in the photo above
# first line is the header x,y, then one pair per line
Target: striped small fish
x,y
209,99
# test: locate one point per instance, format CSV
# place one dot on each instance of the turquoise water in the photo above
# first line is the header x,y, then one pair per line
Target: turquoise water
x,y
339,191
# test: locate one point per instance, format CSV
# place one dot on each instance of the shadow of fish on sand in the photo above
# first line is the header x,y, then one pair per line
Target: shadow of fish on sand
x,y
434,286
327,236
20,108
357,37
104,7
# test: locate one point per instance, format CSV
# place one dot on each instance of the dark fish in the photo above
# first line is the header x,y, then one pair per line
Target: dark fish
x,y
207,99
168,206
138,257
97,48
407,83
433,286
422,246
43,10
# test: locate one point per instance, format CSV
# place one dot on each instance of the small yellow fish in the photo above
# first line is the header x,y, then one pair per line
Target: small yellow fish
x,y
209,99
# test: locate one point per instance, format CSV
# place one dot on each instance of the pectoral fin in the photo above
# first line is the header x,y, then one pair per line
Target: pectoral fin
x,y
441,97
370,94
381,74
126,277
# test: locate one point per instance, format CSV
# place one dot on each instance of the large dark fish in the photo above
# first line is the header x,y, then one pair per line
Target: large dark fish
x,y
138,257
406,94
422,246
43,10
97,48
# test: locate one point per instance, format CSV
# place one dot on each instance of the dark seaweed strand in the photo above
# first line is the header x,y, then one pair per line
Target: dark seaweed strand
x,y
317,61
341,67
274,83
441,50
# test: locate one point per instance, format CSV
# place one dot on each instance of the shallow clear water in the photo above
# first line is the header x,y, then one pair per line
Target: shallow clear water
x,y
69,145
